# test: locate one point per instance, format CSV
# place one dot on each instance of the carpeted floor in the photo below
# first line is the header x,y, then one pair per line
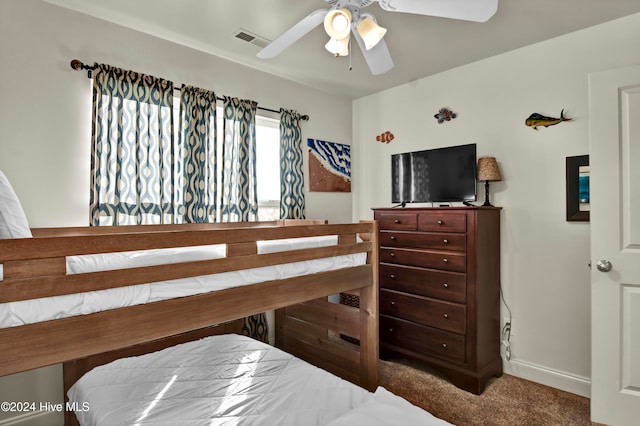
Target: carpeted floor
x,y
507,400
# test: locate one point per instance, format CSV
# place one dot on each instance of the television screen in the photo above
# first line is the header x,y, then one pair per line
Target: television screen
x,y
434,175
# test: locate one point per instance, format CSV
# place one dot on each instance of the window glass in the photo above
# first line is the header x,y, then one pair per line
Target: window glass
x,y
268,167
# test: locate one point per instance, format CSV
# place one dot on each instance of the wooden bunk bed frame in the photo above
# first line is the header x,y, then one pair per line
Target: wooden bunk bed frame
x,y
35,268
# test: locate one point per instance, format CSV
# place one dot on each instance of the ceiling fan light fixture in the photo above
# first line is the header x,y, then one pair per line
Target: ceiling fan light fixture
x,y
338,47
370,32
337,23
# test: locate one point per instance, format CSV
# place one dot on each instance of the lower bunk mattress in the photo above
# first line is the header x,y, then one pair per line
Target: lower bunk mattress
x,y
231,380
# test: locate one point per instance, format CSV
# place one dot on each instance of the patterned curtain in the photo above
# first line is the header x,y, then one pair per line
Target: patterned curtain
x,y
291,176
132,172
198,149
239,195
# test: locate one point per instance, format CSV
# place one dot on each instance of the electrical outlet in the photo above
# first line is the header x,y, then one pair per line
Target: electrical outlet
x,y
506,324
506,337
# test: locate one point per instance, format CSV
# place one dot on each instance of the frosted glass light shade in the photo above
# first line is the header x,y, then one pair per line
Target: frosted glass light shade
x,y
337,23
338,47
370,32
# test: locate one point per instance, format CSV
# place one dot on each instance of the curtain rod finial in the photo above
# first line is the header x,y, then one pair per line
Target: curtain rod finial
x,y
76,64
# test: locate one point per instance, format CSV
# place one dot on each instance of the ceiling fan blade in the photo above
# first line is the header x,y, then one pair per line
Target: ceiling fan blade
x,y
378,57
293,34
468,10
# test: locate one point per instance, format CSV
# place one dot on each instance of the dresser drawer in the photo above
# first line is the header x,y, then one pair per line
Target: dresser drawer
x,y
399,221
442,222
434,313
433,240
448,261
451,286
425,340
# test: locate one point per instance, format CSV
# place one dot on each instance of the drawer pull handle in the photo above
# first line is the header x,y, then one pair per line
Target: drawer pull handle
x,y
392,254
393,303
392,238
396,221
445,241
445,260
444,346
445,285
440,222
445,315
393,277
391,329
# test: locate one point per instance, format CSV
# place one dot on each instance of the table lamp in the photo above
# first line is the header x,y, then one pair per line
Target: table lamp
x,y
488,171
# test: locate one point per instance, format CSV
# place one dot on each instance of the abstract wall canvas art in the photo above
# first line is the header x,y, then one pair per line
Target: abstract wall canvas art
x,y
329,166
583,188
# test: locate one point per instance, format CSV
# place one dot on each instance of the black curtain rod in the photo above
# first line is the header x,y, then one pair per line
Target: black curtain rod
x,y
78,66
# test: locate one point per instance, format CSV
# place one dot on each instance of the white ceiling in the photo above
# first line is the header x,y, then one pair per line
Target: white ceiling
x,y
420,45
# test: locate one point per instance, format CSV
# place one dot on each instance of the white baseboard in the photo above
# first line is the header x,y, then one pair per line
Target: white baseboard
x,y
549,377
36,418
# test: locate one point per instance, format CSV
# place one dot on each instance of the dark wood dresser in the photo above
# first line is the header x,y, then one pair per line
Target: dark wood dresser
x,y
440,290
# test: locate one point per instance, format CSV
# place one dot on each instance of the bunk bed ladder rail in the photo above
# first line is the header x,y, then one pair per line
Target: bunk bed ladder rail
x,y
311,330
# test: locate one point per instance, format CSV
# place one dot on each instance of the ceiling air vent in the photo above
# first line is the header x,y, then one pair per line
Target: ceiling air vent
x,y
245,35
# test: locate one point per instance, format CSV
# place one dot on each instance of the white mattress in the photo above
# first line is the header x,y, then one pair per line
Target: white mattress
x,y
231,380
31,311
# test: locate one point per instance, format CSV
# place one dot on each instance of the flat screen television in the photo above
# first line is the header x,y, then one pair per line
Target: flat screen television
x,y
434,175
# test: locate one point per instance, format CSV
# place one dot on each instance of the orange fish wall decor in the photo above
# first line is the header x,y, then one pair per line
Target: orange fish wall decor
x,y
386,137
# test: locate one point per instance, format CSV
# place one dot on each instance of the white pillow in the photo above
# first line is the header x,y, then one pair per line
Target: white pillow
x,y
13,222
387,409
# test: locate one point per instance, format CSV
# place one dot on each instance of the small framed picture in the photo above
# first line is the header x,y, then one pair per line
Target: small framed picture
x,y
578,206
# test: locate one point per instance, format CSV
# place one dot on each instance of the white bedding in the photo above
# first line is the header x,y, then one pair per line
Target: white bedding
x,y
31,311
231,380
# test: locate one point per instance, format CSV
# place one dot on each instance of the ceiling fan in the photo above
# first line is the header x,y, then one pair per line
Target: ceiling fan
x,y
346,16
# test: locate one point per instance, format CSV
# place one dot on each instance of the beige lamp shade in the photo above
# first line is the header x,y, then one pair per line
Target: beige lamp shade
x,y
488,169
338,47
337,23
370,32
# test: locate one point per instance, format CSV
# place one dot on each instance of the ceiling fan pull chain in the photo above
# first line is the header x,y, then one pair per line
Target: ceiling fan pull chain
x,y
350,67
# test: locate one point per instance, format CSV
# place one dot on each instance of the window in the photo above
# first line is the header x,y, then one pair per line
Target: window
x,y
267,160
158,161
268,167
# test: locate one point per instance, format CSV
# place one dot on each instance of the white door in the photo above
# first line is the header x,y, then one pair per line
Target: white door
x,y
614,114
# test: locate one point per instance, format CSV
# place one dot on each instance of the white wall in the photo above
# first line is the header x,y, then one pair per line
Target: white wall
x,y
545,278
46,120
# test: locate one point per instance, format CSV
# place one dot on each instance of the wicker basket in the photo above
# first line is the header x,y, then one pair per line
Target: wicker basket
x,y
353,301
